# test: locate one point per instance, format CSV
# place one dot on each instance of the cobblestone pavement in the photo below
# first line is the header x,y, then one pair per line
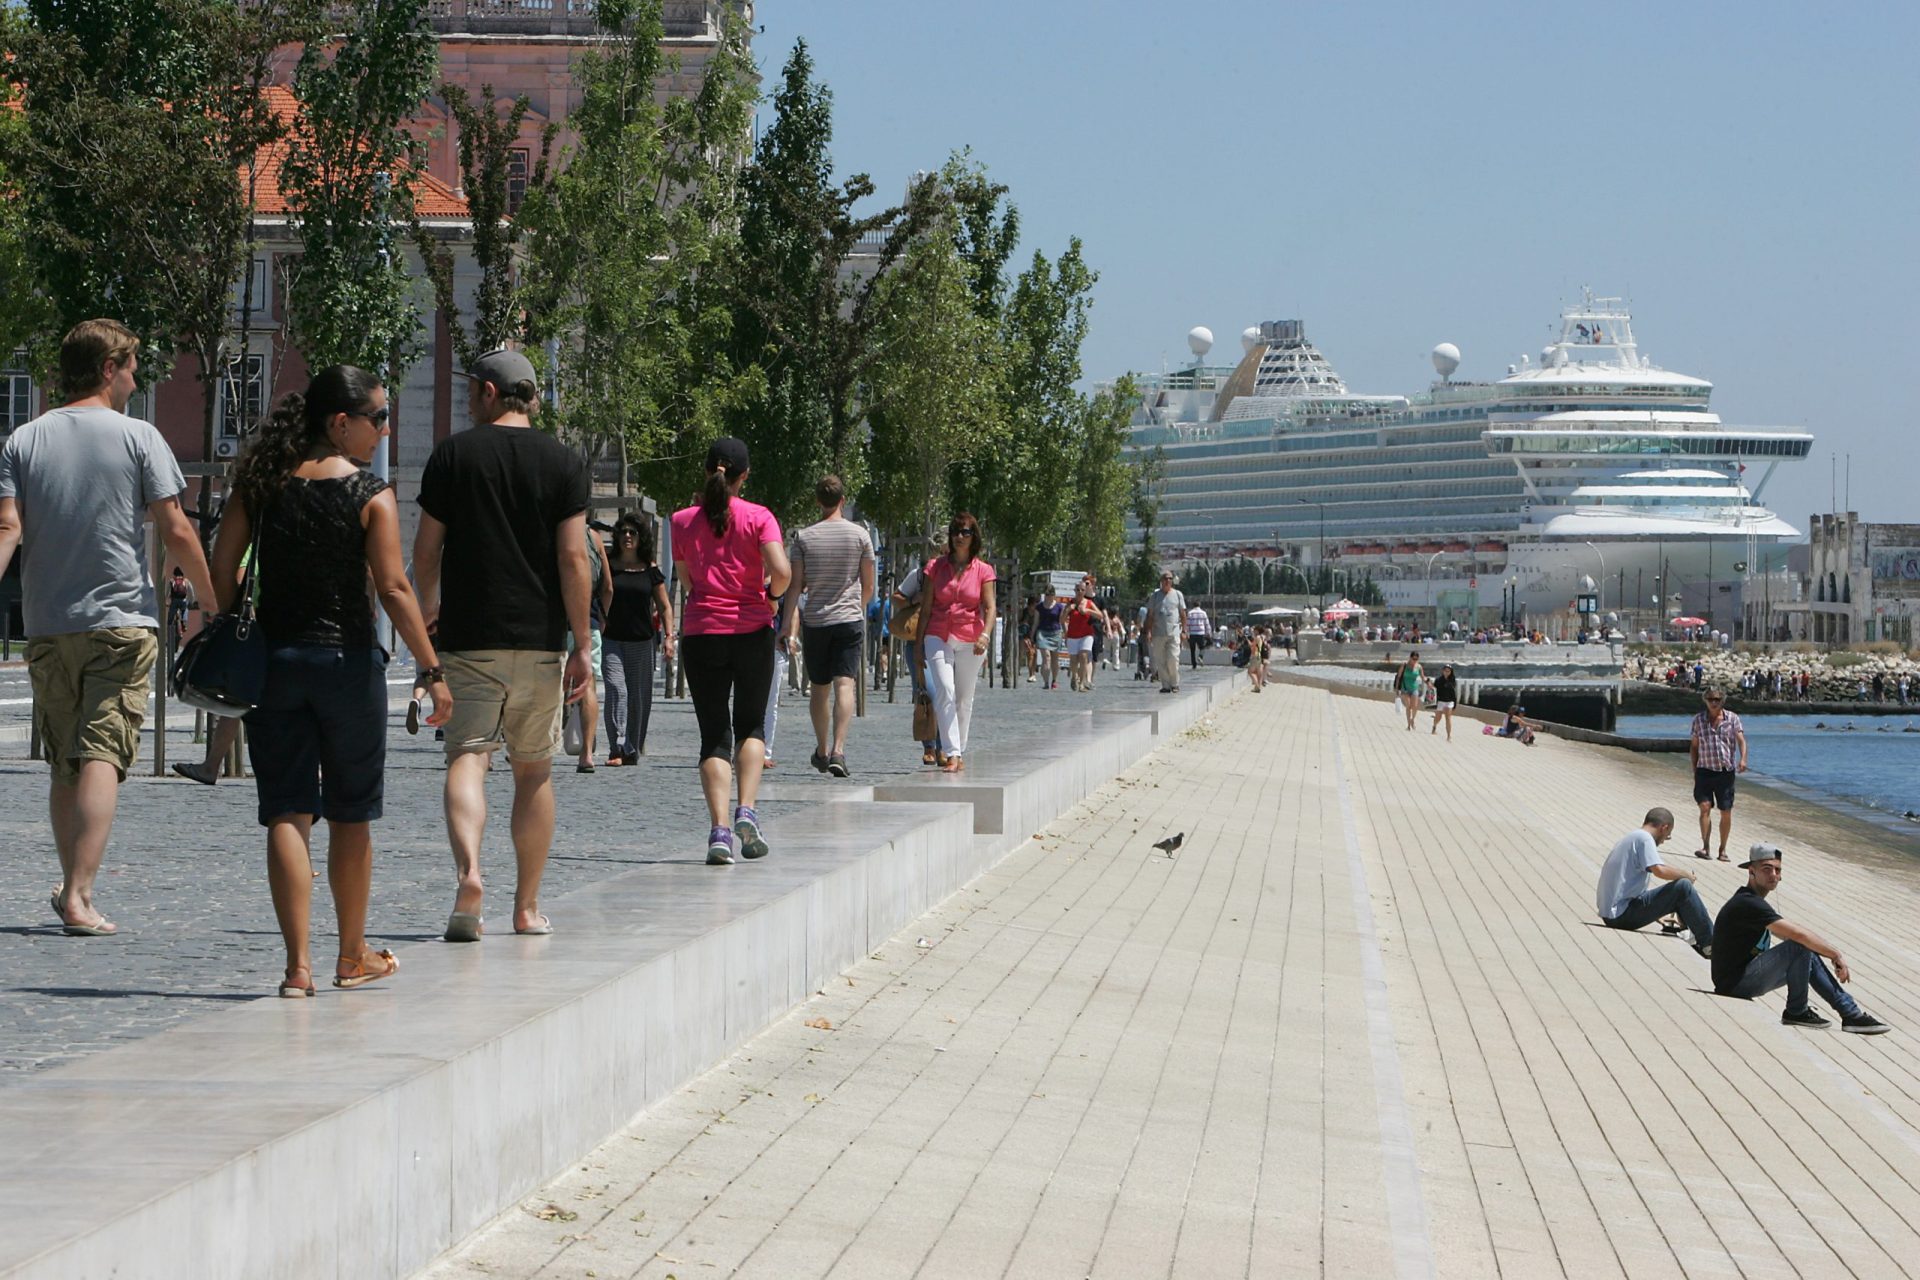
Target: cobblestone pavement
x,y
185,879
1362,1024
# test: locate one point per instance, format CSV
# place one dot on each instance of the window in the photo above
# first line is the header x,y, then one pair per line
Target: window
x,y
519,166
16,394
242,395
250,293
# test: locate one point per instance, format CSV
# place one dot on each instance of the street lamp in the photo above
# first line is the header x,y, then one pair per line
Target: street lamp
x,y
1602,601
1322,565
1436,613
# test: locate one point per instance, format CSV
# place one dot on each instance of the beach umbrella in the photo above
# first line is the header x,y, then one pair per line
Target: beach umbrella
x,y
1688,622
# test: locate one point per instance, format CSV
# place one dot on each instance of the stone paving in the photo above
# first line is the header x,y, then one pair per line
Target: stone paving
x,y
1362,1023
185,879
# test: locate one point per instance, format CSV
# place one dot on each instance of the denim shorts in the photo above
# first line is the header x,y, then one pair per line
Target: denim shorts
x,y
318,739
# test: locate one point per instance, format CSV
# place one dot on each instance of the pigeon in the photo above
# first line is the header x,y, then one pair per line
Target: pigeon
x,y
1171,843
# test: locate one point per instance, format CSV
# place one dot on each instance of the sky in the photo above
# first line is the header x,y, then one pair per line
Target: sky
x,y
1746,175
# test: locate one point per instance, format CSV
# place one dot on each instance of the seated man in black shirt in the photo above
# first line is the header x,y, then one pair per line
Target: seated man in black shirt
x,y
1755,951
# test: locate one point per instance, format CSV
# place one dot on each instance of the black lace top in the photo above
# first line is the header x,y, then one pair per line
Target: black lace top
x,y
312,567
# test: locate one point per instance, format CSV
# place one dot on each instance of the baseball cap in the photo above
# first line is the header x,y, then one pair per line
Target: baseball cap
x,y
1762,852
508,370
729,452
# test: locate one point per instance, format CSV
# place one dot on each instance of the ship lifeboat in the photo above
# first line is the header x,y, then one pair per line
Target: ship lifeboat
x,y
1428,548
1458,546
1405,549
1491,548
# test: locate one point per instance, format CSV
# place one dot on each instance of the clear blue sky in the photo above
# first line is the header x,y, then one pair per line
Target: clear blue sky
x,y
1746,174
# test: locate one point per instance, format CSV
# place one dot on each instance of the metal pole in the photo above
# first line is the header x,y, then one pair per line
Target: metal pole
x,y
1602,601
161,668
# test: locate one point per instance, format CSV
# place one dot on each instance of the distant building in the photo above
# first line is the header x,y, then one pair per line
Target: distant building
x,y
1862,582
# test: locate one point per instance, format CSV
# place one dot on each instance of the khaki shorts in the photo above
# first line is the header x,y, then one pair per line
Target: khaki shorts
x,y
90,696
505,697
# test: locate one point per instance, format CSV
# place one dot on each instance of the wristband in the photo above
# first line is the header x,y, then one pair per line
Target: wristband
x,y
431,675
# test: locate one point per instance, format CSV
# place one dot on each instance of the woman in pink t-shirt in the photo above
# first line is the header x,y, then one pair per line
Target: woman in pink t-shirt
x,y
960,605
727,554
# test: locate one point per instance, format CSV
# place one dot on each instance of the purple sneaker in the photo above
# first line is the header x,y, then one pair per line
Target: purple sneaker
x,y
720,847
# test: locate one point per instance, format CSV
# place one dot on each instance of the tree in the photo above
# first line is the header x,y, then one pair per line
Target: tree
x,y
1143,566
349,178
487,143
27,321
627,243
1095,539
804,290
932,395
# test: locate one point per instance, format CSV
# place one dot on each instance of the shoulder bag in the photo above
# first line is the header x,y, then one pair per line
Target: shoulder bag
x,y
223,669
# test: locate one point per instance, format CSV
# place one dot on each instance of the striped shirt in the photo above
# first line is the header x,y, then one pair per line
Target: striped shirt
x,y
1715,745
830,552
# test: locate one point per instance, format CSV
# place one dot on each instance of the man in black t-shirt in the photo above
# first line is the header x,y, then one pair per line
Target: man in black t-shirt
x,y
1755,951
501,561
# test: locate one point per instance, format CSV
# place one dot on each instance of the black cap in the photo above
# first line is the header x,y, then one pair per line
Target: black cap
x,y
729,452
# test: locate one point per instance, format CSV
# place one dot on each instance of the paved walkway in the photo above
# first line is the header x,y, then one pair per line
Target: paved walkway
x,y
185,874
1362,1023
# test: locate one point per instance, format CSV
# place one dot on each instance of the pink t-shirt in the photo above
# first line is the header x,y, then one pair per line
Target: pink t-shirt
x,y
726,579
956,599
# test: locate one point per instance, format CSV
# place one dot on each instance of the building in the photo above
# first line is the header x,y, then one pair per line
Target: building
x,y
1862,583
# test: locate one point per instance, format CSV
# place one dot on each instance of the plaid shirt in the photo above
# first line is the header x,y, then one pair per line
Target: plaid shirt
x,y
1715,745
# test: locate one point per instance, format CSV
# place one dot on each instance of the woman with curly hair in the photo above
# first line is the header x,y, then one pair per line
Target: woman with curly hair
x,y
319,525
639,593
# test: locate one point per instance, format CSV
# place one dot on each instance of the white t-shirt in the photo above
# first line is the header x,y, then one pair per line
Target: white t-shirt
x,y
1624,877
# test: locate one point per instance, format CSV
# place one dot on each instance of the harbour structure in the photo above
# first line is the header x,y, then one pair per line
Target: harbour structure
x,y
1592,462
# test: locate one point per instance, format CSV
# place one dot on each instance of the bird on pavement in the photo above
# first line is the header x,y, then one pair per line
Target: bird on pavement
x,y
1171,843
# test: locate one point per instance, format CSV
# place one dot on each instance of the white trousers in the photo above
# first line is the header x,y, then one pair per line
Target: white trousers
x,y
953,668
773,694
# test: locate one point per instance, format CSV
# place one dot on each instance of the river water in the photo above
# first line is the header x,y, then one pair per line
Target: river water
x,y
1876,764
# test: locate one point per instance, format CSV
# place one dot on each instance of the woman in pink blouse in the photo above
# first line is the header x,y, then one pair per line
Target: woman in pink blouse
x,y
960,617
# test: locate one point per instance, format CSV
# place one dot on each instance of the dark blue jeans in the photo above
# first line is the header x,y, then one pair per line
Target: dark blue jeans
x,y
1790,965
1674,897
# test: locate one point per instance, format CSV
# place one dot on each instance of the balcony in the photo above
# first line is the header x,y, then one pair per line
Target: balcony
x,y
691,20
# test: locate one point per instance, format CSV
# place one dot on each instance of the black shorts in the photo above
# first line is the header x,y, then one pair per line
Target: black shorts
x,y
1714,785
832,652
318,739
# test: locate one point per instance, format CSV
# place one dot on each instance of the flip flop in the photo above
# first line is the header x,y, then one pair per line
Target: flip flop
x,y
1723,856
1702,853
105,929
545,926
463,926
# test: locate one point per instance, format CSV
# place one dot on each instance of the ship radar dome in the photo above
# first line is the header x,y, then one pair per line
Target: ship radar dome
x,y
1249,338
1446,358
1199,341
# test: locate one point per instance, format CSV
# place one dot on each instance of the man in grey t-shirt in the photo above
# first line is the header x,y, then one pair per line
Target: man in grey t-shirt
x,y
76,484
1166,620
833,569
1622,898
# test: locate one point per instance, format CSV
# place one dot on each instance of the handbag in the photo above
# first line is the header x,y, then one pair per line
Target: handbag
x,y
925,728
223,669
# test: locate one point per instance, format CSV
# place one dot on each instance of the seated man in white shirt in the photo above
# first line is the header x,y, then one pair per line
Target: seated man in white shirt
x,y
1625,901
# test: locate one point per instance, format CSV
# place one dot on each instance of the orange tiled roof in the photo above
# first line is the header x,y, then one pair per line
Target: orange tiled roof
x,y
432,197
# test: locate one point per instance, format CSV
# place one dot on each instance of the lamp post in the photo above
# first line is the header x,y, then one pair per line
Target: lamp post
x,y
1436,612
1322,565
1602,600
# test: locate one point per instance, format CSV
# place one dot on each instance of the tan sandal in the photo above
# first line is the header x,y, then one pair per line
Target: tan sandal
x,y
295,991
366,970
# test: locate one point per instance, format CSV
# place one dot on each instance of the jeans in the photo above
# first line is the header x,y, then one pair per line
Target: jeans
x,y
1195,643
1790,965
629,670
1675,896
953,668
917,671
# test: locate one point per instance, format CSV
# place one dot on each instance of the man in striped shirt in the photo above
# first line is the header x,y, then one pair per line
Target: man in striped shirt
x,y
1719,752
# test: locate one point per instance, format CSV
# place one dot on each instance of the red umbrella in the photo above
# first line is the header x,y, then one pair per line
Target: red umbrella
x,y
1688,622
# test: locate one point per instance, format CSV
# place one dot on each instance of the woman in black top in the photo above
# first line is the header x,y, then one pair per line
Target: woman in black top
x,y
1446,692
630,638
318,739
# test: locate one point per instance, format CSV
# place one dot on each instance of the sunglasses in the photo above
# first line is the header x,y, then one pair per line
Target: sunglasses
x,y
963,533
378,417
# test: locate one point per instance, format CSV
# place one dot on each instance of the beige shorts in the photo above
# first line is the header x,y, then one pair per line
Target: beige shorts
x,y
90,696
505,697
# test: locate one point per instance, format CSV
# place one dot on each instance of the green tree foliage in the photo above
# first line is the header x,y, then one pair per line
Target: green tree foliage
x,y
627,244
804,291
27,319
349,177
1094,537
139,117
488,139
1143,565
933,399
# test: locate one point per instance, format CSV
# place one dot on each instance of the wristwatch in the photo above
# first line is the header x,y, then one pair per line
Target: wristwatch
x,y
431,675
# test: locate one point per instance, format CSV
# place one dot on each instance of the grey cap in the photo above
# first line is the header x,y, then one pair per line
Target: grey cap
x,y
508,370
1762,852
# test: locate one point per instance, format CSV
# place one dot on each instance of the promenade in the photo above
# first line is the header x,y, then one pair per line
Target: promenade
x,y
1363,1023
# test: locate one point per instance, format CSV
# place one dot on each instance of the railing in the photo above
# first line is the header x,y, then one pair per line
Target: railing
x,y
696,19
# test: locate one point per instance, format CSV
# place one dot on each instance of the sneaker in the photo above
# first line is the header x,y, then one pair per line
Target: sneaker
x,y
1805,1018
837,766
818,761
1705,949
1864,1024
746,825
719,847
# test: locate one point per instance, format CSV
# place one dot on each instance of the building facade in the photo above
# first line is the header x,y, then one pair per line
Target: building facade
x,y
1863,582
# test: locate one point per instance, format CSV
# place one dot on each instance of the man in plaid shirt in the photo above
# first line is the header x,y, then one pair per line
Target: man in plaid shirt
x,y
1719,752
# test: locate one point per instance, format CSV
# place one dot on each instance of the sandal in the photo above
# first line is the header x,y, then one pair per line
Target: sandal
x,y
365,970
105,929
293,990
1702,853
926,757
1723,856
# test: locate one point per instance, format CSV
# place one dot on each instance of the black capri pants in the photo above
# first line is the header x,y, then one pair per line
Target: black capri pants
x,y
723,667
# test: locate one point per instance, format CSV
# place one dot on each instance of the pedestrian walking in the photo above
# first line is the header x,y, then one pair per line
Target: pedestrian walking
x,y
1199,634
729,557
783,655
76,485
1165,621
1049,635
599,600
501,561
961,606
318,740
1406,686
908,596
1446,696
833,565
1717,746
633,636
1079,627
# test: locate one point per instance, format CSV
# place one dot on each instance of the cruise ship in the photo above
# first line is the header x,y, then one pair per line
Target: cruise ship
x,y
1591,462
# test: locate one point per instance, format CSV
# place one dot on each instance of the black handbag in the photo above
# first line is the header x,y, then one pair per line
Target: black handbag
x,y
223,669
